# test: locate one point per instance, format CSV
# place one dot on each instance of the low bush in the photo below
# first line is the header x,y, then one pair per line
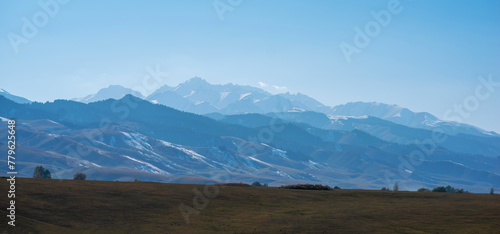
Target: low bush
x,y
258,184
423,190
307,186
41,173
79,176
448,189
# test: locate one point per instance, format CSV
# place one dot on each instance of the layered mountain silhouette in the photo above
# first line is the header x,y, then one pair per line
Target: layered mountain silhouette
x,y
13,97
246,134
112,91
200,97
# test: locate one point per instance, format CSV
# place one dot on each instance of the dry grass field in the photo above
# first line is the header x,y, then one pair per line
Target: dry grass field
x,y
65,206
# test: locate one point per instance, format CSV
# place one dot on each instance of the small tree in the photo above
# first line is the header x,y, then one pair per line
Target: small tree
x,y
137,180
41,173
423,190
440,189
79,176
385,189
492,191
257,184
396,187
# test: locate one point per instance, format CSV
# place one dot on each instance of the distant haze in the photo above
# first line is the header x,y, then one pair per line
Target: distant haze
x,y
427,58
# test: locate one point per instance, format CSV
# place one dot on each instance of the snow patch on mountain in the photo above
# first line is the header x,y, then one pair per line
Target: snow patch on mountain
x,y
279,153
223,95
244,95
296,110
342,117
313,165
190,94
154,169
137,141
259,161
186,151
282,174
54,135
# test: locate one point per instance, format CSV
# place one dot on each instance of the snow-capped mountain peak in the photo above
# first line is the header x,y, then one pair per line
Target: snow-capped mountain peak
x,y
112,91
375,109
406,117
196,95
13,97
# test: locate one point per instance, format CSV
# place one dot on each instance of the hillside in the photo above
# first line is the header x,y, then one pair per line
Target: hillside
x,y
133,138
62,206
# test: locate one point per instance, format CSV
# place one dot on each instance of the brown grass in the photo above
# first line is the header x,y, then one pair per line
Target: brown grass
x,y
64,206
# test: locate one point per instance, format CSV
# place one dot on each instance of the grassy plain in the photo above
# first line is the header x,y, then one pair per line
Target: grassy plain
x,y
66,206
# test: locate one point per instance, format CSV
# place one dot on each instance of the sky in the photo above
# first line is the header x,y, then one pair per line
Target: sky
x,y
423,55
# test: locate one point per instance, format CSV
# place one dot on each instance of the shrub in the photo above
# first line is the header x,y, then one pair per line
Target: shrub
x,y
137,180
385,189
240,184
396,187
459,191
258,184
440,189
492,191
307,186
448,189
423,190
41,173
80,176
336,187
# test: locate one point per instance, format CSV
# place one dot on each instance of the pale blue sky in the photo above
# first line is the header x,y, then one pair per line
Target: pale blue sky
x,y
427,58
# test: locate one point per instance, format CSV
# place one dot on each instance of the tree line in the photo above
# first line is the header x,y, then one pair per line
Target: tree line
x,y
41,173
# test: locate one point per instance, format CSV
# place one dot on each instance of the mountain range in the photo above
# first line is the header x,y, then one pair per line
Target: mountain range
x,y
200,97
203,133
112,91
